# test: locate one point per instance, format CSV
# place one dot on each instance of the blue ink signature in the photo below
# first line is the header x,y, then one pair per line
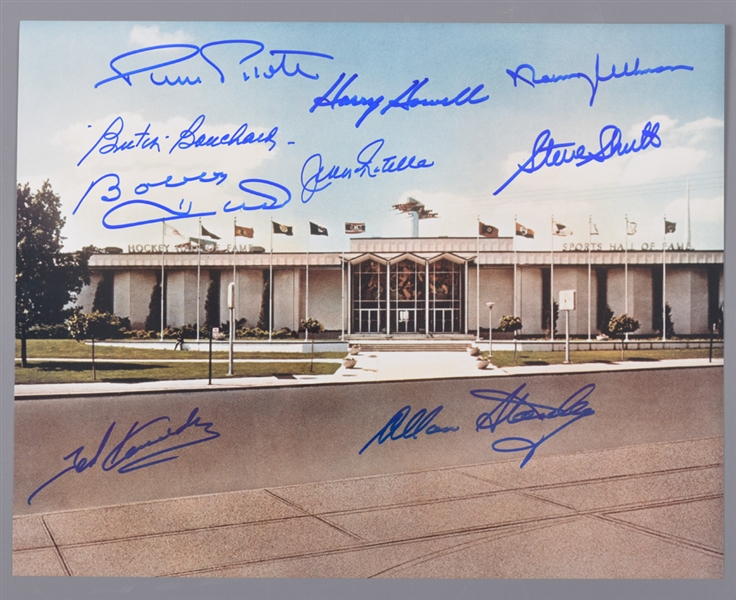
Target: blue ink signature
x,y
169,214
143,188
533,81
316,177
187,137
269,192
420,422
514,408
190,51
548,153
141,140
131,454
406,100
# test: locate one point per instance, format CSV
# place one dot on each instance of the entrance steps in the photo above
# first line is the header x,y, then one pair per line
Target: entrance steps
x,y
411,345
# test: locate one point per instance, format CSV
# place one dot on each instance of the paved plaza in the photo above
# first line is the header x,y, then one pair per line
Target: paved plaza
x,y
651,508
650,511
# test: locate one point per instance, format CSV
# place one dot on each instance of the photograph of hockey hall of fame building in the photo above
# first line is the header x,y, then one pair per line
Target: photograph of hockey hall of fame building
x,y
418,286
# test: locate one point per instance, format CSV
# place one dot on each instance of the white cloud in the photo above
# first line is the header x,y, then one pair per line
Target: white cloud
x,y
151,35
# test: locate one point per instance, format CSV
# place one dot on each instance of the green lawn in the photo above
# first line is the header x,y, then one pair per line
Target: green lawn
x,y
505,358
74,349
112,371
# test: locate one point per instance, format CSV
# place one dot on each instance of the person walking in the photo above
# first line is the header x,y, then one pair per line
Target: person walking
x,y
180,341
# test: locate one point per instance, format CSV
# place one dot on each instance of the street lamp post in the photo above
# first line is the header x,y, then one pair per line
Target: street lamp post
x,y
490,328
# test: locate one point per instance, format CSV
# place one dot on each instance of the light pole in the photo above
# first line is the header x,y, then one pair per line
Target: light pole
x,y
231,306
490,328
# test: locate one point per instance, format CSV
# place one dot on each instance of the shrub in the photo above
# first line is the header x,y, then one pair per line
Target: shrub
x,y
97,325
620,326
509,323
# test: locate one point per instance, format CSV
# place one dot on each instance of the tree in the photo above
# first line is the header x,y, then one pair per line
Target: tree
x,y
312,326
618,327
47,279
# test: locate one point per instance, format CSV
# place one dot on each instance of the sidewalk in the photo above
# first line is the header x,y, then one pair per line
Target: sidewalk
x,y
370,367
650,511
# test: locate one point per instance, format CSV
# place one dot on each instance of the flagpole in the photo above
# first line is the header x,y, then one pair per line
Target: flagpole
x,y
664,283
688,245
342,294
306,303
516,311
552,282
199,269
270,287
477,283
590,241
235,241
626,267
163,260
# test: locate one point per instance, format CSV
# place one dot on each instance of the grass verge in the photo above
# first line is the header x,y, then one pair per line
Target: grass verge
x,y
505,358
116,372
74,349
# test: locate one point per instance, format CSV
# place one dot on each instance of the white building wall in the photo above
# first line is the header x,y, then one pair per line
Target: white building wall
x,y
324,297
576,278
121,294
286,298
639,295
181,297
132,295
687,295
86,296
248,295
529,300
497,286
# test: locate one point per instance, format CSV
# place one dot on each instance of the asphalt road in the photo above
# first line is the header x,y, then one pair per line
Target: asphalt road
x,y
254,438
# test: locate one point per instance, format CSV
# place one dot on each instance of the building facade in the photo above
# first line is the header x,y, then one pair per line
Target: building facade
x,y
417,286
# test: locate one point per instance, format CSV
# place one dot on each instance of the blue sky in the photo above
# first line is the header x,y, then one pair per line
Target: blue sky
x,y
473,148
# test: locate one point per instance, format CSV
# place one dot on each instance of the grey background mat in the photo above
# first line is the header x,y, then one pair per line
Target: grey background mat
x,y
641,11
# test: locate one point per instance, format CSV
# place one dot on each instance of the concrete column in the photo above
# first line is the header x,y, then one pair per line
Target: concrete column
x,y
530,299
687,295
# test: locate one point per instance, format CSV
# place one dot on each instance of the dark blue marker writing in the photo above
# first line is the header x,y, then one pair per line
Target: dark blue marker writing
x,y
113,187
112,135
241,136
341,99
398,429
406,100
192,51
136,451
337,96
548,153
143,188
532,79
315,177
283,67
513,407
166,214
269,195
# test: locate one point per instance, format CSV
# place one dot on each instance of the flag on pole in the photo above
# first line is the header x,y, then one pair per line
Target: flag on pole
x,y
669,226
169,229
354,228
283,229
524,232
593,229
560,229
488,231
315,229
631,228
206,245
244,231
208,233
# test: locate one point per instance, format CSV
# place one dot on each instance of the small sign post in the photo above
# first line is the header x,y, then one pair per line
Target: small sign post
x,y
567,303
